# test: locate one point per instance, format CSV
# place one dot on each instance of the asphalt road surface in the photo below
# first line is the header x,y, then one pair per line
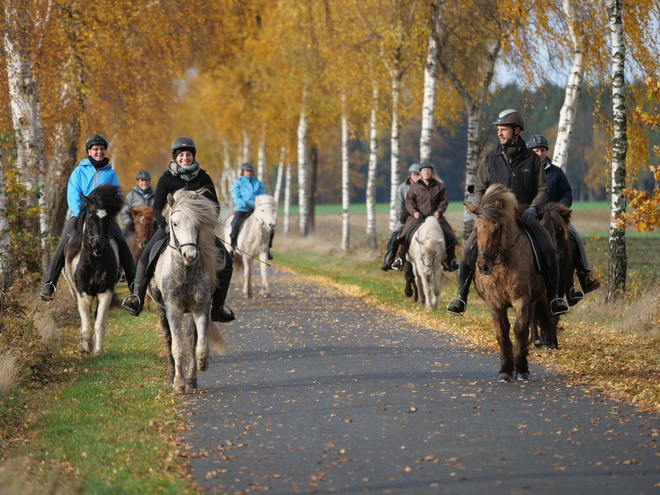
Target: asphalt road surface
x,y
325,394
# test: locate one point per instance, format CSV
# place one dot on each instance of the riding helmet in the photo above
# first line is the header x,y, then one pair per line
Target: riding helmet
x,y
247,167
96,139
183,144
538,141
510,117
414,168
143,174
426,165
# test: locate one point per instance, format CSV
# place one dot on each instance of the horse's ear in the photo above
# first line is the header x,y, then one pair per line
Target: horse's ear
x,y
170,200
472,209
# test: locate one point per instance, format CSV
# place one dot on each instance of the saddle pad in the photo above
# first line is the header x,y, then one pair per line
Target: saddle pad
x,y
536,249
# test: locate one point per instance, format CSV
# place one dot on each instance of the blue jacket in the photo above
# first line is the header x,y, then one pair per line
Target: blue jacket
x,y
84,179
559,189
244,191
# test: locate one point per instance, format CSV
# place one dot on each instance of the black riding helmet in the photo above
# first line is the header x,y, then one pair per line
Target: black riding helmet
x,y
510,117
247,167
143,174
183,144
426,165
538,141
96,139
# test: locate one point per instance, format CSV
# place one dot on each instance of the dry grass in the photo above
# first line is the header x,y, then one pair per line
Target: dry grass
x,y
9,373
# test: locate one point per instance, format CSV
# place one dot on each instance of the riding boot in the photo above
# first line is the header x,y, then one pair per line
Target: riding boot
x,y
220,312
458,305
125,256
558,305
388,259
587,281
134,302
400,254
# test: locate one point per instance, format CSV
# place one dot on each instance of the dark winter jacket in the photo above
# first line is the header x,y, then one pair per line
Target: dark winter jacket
x,y
559,189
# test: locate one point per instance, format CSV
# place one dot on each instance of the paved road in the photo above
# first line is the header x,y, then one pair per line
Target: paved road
x,y
324,394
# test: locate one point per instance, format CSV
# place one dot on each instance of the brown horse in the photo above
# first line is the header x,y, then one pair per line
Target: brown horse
x,y
506,276
142,232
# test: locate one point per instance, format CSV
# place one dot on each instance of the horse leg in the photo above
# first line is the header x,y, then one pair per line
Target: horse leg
x,y
201,341
86,335
174,317
521,330
426,288
167,339
548,324
247,282
502,328
191,362
102,308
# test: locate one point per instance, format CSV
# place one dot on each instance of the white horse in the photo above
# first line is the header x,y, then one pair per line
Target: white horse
x,y
252,242
184,281
426,253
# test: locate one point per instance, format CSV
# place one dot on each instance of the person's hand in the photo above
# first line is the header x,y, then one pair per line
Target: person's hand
x,y
436,214
416,215
528,216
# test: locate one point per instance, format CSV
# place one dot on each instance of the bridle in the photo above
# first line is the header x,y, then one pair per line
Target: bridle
x,y
90,239
498,255
177,245
430,264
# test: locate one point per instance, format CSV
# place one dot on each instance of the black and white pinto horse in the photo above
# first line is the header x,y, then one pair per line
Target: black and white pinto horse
x,y
426,253
183,282
252,242
91,266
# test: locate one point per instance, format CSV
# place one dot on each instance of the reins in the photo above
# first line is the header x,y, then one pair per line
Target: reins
x,y
499,253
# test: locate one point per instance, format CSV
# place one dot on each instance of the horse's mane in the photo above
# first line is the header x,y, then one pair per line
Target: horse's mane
x,y
146,211
203,214
558,214
499,204
106,197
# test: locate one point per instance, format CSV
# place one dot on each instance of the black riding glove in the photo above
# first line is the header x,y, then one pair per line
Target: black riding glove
x,y
528,216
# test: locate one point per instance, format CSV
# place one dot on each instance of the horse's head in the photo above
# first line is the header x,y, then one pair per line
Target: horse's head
x,y
183,236
265,210
96,212
494,225
143,221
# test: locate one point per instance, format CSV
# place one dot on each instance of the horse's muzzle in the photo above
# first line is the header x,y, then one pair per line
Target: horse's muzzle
x,y
484,266
189,256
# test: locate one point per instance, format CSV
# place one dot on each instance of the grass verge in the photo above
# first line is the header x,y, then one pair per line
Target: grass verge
x,y
101,425
611,347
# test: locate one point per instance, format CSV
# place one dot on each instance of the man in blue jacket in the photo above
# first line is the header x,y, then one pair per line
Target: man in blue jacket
x,y
93,171
243,193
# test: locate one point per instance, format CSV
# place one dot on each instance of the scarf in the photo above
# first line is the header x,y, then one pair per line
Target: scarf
x,y
513,150
186,173
99,164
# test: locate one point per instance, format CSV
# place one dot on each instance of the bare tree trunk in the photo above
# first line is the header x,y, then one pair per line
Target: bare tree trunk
x,y
228,177
302,170
345,179
395,148
311,194
471,165
261,158
373,170
573,87
6,271
618,259
287,198
245,155
280,172
430,83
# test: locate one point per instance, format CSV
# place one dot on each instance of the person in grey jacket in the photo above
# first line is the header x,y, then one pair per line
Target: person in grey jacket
x,y
401,214
141,195
560,191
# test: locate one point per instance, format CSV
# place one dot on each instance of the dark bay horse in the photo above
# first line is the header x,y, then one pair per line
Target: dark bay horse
x,y
142,232
91,266
506,277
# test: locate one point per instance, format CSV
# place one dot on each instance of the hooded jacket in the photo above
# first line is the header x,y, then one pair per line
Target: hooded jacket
x,y
245,190
84,179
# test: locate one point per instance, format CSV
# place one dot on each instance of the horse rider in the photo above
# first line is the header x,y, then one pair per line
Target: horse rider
x,y
183,172
560,191
521,170
141,195
427,197
400,213
244,192
94,170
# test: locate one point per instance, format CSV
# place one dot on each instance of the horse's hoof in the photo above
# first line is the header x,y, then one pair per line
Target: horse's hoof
x,y
98,352
504,378
179,389
203,364
521,377
192,384
84,346
266,294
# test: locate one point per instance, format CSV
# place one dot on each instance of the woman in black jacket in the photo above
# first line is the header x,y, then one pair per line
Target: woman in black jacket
x,y
184,172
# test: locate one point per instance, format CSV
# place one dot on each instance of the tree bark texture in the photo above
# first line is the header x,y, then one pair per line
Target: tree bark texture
x,y
302,172
345,181
372,171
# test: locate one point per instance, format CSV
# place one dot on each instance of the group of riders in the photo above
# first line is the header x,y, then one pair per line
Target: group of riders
x,y
183,172
528,172
523,167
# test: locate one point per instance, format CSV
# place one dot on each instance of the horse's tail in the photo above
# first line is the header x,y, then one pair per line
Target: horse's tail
x,y
216,340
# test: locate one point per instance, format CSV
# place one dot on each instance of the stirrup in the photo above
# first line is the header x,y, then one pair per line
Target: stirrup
x,y
457,306
47,295
558,306
575,294
398,264
126,304
224,315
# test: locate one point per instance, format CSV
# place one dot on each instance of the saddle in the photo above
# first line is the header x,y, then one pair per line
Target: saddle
x,y
411,232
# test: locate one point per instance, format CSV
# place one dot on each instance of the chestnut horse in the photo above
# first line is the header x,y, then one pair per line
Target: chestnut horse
x,y
143,230
506,276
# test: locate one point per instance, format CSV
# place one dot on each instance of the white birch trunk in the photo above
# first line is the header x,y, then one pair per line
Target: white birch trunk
x,y
280,172
6,272
261,158
573,88
372,172
287,198
245,151
471,165
618,259
395,149
302,172
345,179
430,83
228,177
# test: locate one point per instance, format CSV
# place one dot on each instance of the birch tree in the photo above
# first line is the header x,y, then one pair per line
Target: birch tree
x,y
287,198
373,169
280,173
302,169
261,157
6,271
618,260
345,179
